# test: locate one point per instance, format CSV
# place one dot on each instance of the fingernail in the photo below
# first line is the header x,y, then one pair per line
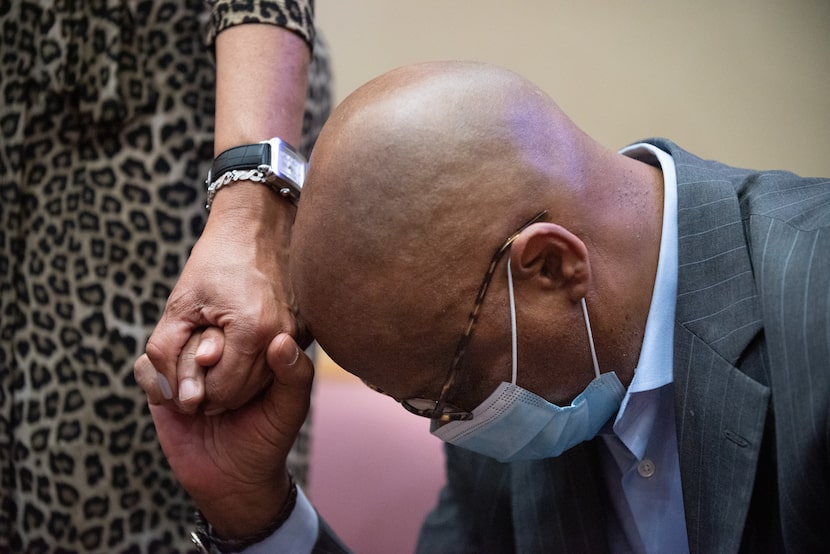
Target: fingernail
x,y
290,356
188,389
164,385
204,347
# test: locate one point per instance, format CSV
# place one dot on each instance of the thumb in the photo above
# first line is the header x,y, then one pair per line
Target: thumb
x,y
293,375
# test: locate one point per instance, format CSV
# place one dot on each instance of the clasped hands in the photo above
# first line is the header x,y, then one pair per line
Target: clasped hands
x,y
227,382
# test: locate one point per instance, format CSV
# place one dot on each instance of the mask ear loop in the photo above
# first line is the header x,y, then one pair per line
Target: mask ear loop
x,y
512,318
590,337
513,333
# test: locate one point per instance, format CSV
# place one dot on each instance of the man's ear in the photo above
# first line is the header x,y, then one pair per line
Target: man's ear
x,y
554,256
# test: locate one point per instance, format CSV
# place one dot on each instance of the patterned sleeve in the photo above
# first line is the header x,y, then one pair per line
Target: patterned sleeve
x,y
294,15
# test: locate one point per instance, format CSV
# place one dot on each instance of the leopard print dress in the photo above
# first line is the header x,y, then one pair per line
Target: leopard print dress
x,y
106,124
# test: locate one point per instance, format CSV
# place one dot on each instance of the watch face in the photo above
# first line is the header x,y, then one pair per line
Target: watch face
x,y
290,165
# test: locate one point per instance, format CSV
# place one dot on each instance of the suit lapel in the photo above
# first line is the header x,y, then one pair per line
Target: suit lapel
x,y
720,425
720,410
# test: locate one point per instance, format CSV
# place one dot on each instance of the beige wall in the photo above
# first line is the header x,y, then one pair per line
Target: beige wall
x,y
746,82
742,81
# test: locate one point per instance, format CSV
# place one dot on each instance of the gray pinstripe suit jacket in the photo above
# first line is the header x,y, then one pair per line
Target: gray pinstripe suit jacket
x,y
752,389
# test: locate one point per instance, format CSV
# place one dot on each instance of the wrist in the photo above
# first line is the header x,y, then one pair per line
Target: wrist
x,y
243,521
251,210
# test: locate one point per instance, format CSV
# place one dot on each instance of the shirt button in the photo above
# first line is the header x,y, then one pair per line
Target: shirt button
x,y
645,468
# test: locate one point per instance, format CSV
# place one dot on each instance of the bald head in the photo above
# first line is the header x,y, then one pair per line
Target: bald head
x,y
416,178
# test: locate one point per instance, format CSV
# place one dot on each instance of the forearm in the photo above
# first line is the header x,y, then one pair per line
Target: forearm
x,y
261,76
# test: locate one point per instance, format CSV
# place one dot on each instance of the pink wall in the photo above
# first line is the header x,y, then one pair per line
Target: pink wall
x,y
375,469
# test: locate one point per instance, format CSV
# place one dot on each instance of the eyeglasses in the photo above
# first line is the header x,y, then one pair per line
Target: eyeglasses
x,y
441,409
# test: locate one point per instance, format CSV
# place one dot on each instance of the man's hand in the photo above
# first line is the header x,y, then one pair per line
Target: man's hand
x,y
234,464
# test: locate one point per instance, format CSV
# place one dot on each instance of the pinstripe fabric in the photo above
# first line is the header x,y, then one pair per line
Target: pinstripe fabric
x,y
792,243
564,512
720,411
753,333
551,505
752,389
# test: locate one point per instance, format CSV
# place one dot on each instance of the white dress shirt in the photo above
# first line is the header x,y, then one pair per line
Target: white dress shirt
x,y
640,459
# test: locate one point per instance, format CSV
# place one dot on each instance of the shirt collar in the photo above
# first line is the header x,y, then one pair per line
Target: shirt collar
x,y
654,367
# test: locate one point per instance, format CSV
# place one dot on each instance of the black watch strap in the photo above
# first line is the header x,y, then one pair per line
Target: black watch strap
x,y
247,156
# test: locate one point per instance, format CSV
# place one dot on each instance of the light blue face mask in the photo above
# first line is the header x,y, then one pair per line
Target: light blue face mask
x,y
514,424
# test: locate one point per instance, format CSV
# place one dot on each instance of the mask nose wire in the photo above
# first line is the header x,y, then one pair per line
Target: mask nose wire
x,y
590,337
512,318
